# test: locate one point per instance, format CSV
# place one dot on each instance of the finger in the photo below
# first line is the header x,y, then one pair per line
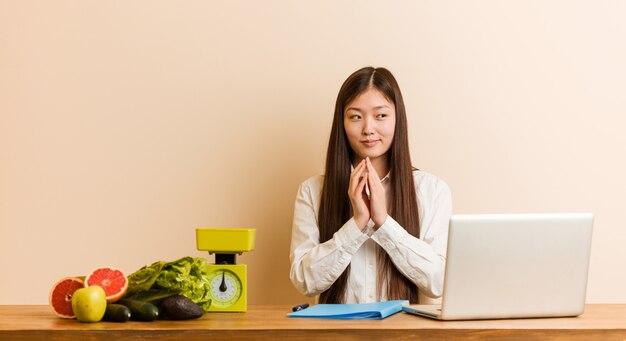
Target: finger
x,y
360,204
359,168
371,169
375,184
361,185
357,174
373,180
365,201
375,190
357,182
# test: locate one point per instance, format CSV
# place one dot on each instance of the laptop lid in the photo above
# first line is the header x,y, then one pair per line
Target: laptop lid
x,y
516,265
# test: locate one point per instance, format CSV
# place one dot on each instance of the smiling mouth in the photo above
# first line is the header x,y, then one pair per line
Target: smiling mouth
x,y
370,143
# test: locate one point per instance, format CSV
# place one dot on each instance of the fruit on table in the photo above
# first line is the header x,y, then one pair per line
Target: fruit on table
x,y
179,307
60,297
141,311
89,304
111,279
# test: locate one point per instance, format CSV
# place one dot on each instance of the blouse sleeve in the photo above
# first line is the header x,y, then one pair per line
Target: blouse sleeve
x,y
421,260
315,266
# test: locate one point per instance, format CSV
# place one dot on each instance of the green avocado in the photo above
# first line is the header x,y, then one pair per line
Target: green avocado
x,y
179,307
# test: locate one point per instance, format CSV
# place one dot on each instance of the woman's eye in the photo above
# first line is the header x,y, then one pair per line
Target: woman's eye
x,y
381,116
355,117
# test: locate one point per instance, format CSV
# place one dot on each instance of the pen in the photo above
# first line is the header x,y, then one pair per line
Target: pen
x,y
300,307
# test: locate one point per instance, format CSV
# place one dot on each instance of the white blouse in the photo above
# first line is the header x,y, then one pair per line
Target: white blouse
x,y
315,266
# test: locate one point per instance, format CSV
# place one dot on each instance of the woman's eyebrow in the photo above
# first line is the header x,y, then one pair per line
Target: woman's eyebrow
x,y
375,108
353,108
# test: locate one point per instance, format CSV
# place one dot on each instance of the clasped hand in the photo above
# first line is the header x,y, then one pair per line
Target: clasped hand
x,y
367,207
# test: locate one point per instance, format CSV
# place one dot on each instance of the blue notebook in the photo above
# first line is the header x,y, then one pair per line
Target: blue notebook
x,y
363,311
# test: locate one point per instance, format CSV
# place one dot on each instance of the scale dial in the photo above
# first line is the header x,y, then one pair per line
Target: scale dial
x,y
226,288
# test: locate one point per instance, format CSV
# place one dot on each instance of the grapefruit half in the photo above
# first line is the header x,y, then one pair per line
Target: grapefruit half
x,y
112,280
60,298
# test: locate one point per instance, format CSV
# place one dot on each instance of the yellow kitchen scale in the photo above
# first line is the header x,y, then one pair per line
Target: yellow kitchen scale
x,y
228,279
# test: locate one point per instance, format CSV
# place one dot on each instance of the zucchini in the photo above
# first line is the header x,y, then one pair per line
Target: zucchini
x,y
140,311
116,313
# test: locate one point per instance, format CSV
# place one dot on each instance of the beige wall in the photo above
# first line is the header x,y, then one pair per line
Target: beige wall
x,y
124,125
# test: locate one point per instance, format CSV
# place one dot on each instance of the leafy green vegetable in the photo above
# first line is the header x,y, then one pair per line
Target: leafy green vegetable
x,y
186,276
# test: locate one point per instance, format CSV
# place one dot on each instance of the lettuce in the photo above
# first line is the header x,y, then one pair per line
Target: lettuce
x,y
186,276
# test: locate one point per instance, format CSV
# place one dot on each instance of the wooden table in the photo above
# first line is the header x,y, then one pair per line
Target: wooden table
x,y
269,322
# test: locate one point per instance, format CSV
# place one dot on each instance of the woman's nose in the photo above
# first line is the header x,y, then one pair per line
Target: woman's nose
x,y
368,126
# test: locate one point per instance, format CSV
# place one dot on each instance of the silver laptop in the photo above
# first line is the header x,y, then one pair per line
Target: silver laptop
x,y
514,266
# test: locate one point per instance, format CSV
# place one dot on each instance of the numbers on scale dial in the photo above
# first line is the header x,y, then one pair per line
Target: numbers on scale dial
x,y
225,288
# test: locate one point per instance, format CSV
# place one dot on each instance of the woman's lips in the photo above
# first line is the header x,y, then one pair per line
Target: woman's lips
x,y
370,143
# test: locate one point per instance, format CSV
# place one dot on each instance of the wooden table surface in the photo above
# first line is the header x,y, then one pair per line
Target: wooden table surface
x,y
602,321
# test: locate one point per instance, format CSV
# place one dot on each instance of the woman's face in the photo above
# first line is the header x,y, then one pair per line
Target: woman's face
x,y
370,121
